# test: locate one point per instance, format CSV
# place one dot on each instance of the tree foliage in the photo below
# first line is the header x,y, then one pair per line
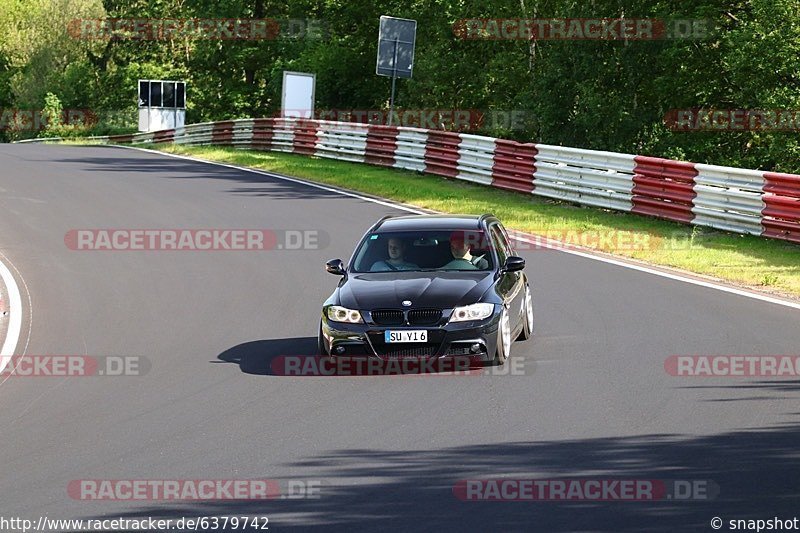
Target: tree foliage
x,y
608,95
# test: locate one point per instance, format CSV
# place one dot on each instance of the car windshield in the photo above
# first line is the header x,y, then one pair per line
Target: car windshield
x,y
440,250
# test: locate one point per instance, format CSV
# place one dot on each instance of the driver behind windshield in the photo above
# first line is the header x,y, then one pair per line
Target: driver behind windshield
x,y
396,249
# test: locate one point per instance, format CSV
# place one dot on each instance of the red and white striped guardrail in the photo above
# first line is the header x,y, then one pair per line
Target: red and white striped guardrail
x,y
743,201
663,188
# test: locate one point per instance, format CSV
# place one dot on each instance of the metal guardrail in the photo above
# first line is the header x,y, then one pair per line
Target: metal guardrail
x,y
738,200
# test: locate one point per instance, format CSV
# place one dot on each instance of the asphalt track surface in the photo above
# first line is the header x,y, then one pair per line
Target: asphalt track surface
x,y
594,400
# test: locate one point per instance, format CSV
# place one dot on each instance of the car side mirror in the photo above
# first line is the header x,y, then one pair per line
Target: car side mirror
x,y
513,264
335,266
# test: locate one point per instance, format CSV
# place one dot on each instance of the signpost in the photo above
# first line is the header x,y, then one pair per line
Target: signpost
x,y
396,39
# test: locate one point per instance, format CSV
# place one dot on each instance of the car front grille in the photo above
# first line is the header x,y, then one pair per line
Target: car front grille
x,y
424,317
414,317
388,317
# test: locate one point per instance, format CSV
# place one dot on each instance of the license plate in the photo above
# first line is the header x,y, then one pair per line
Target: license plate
x,y
409,335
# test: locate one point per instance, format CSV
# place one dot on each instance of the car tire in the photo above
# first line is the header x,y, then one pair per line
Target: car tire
x,y
321,343
503,349
527,319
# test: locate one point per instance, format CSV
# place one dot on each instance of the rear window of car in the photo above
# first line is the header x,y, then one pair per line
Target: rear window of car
x,y
440,250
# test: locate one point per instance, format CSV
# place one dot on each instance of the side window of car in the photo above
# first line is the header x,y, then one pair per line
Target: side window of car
x,y
497,243
507,241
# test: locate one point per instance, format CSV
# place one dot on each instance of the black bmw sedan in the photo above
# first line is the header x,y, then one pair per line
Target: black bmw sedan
x,y
429,286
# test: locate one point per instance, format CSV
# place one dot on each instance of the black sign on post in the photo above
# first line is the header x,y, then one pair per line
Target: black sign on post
x,y
396,47
396,39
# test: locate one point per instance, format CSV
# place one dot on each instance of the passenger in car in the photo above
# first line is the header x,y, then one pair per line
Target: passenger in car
x,y
462,255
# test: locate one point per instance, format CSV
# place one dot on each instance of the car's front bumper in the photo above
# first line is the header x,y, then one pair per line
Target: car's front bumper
x,y
474,339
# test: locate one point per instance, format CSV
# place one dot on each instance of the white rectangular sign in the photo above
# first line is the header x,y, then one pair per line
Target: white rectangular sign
x,y
298,95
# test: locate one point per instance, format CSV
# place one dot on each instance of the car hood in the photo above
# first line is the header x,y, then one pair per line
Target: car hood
x,y
423,289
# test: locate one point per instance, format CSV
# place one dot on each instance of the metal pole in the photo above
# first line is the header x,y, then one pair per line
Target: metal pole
x,y
394,78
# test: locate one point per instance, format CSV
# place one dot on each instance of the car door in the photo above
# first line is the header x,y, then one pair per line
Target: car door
x,y
509,285
521,278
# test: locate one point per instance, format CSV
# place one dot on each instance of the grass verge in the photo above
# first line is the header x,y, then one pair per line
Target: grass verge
x,y
765,264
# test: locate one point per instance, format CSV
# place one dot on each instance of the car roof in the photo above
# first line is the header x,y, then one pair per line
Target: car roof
x,y
431,222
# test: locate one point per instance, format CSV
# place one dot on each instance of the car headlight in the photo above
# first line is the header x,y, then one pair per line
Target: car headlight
x,y
338,313
472,312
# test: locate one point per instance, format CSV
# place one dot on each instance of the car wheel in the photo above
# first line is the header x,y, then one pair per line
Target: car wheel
x,y
321,343
503,339
527,319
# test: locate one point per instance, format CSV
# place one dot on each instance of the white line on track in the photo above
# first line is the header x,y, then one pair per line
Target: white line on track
x,y
555,245
14,315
